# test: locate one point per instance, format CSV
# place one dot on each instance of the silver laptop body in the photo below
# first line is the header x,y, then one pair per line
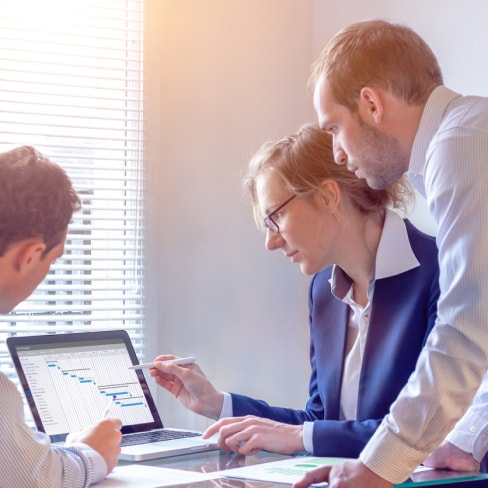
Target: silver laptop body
x,y
72,380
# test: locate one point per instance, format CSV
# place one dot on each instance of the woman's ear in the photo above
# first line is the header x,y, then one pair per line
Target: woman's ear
x,y
330,195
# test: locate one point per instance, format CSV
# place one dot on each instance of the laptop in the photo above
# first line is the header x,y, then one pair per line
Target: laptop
x,y
72,380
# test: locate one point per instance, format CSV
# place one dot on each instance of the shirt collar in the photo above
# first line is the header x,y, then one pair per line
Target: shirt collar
x,y
393,257
430,121
395,254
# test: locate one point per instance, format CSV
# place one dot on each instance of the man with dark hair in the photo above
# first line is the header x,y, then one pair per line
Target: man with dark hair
x,y
378,90
37,201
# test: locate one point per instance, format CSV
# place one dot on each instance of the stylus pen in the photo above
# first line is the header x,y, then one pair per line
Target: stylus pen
x,y
179,361
109,405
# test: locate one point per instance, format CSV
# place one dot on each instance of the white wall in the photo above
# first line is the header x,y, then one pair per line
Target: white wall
x,y
222,76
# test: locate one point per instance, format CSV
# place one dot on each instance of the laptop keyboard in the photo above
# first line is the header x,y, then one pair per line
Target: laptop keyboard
x,y
156,436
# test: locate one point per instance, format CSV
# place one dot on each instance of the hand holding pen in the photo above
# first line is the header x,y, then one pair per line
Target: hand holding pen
x,y
188,385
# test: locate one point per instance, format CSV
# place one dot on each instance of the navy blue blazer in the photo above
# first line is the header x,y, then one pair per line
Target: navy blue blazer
x,y
403,312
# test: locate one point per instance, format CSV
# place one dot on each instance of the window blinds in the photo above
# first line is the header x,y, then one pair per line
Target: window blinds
x,y
71,86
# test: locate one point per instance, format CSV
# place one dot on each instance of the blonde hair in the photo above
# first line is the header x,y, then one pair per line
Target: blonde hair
x,y
304,160
378,54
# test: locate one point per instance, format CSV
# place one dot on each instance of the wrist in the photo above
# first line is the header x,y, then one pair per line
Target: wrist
x,y
214,406
299,445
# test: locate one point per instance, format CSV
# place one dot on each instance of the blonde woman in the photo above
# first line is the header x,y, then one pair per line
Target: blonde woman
x,y
372,303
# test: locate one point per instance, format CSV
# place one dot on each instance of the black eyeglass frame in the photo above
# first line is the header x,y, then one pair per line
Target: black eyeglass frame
x,y
269,223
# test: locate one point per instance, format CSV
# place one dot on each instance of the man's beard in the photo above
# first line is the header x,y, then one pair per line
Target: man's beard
x,y
383,160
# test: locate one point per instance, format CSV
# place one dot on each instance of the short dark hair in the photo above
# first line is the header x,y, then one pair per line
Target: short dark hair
x,y
37,198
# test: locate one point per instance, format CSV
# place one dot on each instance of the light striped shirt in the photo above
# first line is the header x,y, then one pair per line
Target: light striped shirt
x,y
449,166
27,459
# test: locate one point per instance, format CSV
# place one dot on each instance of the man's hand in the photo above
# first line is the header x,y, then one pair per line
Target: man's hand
x,y
104,437
248,435
188,385
352,474
448,456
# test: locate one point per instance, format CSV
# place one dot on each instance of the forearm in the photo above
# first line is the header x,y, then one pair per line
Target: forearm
x,y
349,437
243,405
471,432
417,423
27,458
33,462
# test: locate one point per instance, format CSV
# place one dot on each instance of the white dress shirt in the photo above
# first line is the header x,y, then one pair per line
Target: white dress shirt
x,y
27,458
448,165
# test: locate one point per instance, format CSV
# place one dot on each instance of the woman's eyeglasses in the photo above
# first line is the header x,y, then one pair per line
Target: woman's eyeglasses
x,y
268,220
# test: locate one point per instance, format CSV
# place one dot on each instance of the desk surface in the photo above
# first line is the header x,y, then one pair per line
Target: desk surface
x,y
212,461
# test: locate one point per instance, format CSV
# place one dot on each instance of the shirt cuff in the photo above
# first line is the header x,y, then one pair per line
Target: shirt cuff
x,y
471,434
98,464
389,457
227,410
307,434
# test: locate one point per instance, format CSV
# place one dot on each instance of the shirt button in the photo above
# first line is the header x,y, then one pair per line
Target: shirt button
x,y
472,428
366,319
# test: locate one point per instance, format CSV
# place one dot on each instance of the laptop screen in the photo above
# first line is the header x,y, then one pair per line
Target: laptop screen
x,y
73,380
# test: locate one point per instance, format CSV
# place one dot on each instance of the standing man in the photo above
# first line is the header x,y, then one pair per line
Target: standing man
x,y
378,90
36,205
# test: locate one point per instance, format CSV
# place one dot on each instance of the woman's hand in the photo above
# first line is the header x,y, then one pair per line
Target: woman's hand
x,y
248,435
188,385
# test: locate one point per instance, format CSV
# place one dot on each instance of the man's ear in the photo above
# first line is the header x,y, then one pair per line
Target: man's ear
x,y
27,253
371,106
